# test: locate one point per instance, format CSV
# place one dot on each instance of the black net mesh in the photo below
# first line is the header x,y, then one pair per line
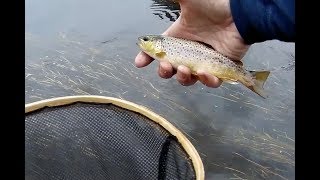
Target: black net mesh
x,y
100,141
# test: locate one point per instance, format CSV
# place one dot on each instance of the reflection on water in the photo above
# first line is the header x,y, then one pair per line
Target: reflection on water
x,y
237,134
166,9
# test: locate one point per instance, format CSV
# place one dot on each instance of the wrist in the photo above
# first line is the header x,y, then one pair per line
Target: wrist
x,y
259,21
239,28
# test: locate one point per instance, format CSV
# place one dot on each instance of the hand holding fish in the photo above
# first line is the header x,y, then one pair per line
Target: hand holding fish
x,y
208,21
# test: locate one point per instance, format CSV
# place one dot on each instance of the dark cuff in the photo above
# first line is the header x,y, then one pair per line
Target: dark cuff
x,y
261,20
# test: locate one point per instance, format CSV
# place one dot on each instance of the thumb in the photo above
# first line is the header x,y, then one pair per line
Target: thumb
x,y
179,31
173,30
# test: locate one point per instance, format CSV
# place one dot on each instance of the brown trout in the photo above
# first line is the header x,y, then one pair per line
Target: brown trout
x,y
198,56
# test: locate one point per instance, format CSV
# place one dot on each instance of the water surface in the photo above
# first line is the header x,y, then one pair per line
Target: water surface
x,y
88,47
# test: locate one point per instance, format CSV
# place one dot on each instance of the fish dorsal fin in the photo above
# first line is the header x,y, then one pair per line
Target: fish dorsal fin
x,y
160,54
239,63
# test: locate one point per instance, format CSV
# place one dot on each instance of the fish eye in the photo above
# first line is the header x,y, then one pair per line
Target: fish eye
x,y
145,38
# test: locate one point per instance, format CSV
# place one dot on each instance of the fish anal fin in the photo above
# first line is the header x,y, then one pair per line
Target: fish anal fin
x,y
230,81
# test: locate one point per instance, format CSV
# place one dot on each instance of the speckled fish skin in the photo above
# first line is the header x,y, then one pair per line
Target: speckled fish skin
x,y
198,56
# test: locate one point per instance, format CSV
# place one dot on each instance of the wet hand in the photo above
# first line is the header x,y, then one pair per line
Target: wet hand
x,y
208,21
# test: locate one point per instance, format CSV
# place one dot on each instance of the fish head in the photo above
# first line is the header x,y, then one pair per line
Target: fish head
x,y
150,44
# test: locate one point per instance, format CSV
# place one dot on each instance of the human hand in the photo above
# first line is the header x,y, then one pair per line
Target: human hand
x,y
208,21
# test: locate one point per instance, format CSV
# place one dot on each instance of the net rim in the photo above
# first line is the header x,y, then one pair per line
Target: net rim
x,y
186,144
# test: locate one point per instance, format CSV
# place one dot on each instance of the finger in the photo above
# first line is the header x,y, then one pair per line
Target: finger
x,y
178,31
165,70
208,80
142,60
184,76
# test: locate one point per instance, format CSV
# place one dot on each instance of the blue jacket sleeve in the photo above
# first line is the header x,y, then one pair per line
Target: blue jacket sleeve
x,y
262,20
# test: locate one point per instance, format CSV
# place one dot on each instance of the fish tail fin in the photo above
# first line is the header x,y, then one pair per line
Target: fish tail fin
x,y
260,78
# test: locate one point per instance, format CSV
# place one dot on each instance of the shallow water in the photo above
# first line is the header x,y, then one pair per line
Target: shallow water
x,y
88,47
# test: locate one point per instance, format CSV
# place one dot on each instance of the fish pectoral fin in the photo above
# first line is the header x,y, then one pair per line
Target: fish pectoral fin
x,y
160,54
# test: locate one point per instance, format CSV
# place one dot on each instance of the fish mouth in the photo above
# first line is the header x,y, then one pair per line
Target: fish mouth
x,y
141,42
146,43
140,39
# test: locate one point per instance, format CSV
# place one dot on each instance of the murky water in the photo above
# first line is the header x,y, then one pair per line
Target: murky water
x,y
88,47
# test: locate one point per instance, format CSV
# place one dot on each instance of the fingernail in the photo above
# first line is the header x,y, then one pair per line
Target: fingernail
x,y
161,68
138,60
182,75
162,71
201,75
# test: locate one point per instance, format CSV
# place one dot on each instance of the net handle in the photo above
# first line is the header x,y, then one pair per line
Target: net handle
x,y
188,147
